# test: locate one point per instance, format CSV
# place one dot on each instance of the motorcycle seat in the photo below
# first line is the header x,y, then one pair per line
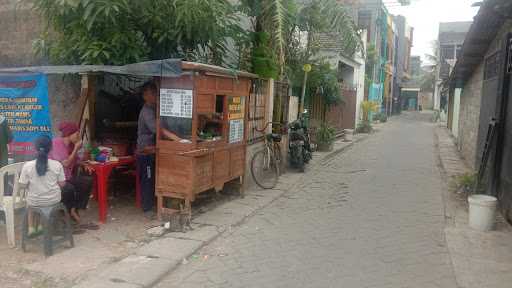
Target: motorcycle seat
x,y
275,137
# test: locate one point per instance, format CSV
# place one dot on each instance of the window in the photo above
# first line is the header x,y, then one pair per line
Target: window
x,y
210,123
458,51
444,71
492,66
176,113
447,52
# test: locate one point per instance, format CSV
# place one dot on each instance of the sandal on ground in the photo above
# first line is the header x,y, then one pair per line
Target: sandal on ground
x,y
89,226
33,233
78,231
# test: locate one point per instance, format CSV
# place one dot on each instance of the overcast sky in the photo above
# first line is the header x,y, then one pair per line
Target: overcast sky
x,y
425,15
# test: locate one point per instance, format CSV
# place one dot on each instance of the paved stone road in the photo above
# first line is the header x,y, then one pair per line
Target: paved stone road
x,y
369,217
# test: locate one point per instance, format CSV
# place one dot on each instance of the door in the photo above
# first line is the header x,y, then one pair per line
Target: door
x,y
503,165
412,104
456,111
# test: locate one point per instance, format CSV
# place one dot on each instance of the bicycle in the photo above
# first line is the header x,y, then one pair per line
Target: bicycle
x,y
266,162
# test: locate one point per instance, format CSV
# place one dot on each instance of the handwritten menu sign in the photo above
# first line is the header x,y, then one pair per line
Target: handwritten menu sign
x,y
236,130
176,103
236,107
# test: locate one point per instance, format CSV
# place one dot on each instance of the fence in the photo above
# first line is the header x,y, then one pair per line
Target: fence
x,y
258,102
339,116
281,104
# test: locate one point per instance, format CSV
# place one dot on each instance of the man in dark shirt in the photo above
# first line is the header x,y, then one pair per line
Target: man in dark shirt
x,y
146,141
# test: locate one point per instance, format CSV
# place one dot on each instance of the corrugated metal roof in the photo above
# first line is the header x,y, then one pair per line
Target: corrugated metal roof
x,y
164,68
491,16
457,27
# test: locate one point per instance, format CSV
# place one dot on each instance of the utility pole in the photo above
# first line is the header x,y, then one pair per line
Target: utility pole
x,y
306,68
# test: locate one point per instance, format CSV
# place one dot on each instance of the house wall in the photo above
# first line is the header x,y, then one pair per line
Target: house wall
x,y
20,27
426,99
475,110
360,72
64,98
293,109
469,116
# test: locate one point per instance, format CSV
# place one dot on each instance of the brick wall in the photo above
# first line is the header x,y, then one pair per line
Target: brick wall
x,y
64,98
473,111
20,26
469,118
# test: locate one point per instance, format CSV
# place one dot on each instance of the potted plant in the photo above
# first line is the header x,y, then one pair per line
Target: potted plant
x,y
325,137
367,107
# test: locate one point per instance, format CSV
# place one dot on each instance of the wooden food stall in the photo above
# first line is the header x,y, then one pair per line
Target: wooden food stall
x,y
206,108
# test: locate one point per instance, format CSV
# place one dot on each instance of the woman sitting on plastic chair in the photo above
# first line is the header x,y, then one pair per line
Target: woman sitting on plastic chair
x,y
76,192
44,179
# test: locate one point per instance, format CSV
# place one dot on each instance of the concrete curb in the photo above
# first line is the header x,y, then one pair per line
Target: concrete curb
x,y
153,261
342,149
150,263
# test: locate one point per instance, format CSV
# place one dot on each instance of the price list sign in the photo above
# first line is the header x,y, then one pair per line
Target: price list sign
x,y
236,130
176,103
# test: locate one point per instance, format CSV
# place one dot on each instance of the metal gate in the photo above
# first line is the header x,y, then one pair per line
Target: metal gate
x,y
258,102
281,104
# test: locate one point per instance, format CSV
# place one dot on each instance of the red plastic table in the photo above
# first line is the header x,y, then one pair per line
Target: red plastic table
x,y
102,172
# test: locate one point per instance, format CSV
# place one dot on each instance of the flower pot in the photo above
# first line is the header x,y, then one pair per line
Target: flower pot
x,y
324,147
349,134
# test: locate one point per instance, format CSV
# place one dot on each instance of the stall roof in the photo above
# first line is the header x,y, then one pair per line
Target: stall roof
x,y
163,68
491,16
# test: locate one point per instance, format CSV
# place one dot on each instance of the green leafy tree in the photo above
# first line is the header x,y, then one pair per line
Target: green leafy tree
x,y
126,31
323,82
274,18
292,26
315,18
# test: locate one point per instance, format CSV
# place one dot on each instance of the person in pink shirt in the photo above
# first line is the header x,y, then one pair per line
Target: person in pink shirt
x,y
77,189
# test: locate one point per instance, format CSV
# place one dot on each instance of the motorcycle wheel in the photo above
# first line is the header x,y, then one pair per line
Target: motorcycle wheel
x,y
307,157
300,160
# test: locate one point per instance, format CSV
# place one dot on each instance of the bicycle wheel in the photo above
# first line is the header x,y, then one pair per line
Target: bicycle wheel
x,y
264,169
278,157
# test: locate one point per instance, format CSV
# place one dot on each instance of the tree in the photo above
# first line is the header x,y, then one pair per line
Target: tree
x,y
323,82
291,28
273,18
126,31
428,76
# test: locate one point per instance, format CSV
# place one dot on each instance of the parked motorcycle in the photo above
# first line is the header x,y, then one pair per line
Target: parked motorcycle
x,y
299,147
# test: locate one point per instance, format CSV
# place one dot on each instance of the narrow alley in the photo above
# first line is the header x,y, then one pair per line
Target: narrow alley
x,y
371,216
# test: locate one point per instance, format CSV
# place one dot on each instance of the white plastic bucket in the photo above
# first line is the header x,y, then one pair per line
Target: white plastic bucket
x,y
349,133
482,212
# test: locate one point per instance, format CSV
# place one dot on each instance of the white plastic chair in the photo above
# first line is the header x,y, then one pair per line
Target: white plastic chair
x,y
9,204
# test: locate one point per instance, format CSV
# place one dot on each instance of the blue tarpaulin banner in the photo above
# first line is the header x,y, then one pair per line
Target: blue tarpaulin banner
x,y
24,103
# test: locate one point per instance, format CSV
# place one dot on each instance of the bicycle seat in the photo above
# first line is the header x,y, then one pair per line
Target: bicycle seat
x,y
276,137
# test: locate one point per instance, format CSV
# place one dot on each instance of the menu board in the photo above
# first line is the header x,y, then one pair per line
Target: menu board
x,y
236,130
236,107
176,103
